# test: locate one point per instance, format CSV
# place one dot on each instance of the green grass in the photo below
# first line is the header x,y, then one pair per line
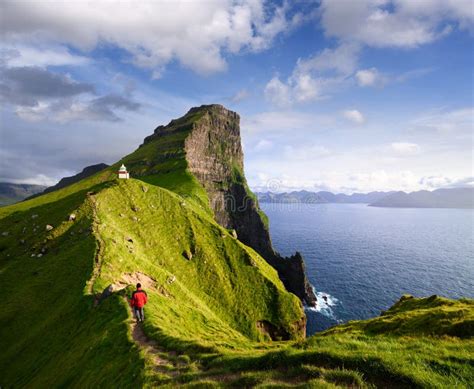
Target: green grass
x,y
54,334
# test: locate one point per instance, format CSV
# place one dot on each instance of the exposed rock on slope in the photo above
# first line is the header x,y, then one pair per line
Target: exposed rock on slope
x,y
213,153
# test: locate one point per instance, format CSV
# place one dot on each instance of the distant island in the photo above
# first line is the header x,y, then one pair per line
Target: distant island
x,y
439,198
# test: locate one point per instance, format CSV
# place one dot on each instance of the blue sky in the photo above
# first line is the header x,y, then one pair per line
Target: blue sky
x,y
333,95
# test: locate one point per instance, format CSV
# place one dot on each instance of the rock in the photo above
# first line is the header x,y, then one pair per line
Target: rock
x,y
129,239
34,216
171,279
22,241
144,189
253,263
163,291
233,233
187,255
33,255
49,227
183,203
121,215
135,208
106,293
72,217
135,219
5,233
43,250
39,255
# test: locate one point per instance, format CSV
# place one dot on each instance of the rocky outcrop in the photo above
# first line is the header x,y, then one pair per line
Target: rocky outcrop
x,y
212,148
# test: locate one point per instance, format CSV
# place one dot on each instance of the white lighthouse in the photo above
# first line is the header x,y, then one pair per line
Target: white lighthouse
x,y
122,173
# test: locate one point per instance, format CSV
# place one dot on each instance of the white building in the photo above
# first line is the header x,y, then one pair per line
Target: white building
x,y
122,173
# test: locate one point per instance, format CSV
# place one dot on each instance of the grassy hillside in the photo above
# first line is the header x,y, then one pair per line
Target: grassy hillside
x,y
70,258
202,311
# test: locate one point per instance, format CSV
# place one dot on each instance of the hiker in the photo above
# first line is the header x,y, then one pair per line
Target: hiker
x,y
138,301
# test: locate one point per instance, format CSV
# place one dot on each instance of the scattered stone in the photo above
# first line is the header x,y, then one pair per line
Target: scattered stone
x,y
39,255
106,292
223,236
135,219
72,217
171,279
163,291
187,255
121,215
135,208
183,203
33,255
253,263
233,233
129,239
49,227
6,233
43,250
22,241
24,229
144,189
34,216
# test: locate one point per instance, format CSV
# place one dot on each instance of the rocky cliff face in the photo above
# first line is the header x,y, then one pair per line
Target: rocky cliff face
x,y
213,153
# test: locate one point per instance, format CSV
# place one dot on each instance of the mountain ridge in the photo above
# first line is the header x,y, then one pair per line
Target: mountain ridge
x,y
438,198
11,193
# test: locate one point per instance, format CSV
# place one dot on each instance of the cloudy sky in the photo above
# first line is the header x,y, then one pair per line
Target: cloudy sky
x,y
333,94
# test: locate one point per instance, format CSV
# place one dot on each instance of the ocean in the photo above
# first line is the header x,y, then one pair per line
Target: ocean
x,y
363,259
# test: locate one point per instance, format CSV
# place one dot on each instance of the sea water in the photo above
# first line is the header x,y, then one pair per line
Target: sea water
x,y
362,259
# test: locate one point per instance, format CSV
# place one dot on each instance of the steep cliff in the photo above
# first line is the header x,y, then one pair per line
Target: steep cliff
x,y
213,154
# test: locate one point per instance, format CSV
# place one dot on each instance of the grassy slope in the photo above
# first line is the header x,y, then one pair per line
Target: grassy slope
x,y
215,301
52,335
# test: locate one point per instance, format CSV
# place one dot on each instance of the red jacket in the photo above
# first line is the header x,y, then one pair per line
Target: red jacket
x,y
139,298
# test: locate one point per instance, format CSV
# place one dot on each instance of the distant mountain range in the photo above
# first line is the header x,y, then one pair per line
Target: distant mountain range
x,y
12,193
307,197
440,198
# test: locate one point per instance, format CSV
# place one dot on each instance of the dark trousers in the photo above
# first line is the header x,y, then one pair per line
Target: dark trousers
x,y
139,313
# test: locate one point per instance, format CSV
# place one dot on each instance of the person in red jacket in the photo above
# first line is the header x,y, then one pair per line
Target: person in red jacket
x,y
138,301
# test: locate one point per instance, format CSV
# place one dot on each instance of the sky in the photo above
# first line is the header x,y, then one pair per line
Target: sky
x,y
340,95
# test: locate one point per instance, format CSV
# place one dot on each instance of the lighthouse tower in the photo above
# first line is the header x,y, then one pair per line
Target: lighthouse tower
x,y
122,173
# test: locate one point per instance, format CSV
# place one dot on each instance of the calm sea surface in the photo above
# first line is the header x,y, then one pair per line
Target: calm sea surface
x,y
364,258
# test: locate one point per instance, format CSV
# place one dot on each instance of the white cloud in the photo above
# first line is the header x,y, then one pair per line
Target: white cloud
x,y
354,116
306,152
284,121
370,77
405,148
442,121
15,55
240,96
197,34
263,145
314,78
278,93
397,23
